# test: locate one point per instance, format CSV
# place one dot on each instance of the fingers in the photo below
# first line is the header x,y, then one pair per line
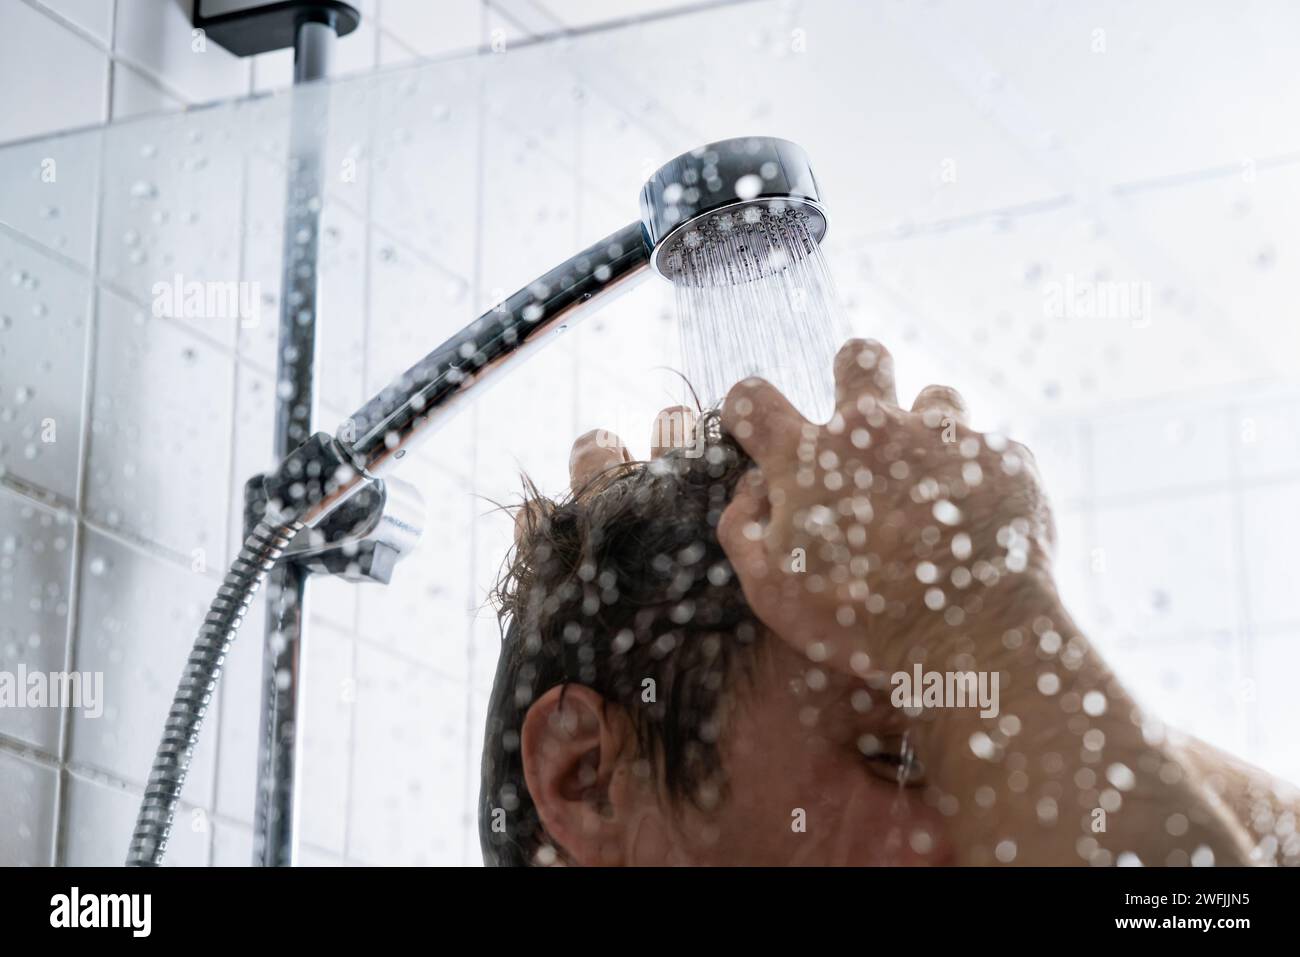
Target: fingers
x,y
592,454
938,402
674,428
764,422
528,518
740,527
863,367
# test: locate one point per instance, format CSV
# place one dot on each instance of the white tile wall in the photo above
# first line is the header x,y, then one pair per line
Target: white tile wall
x,y
58,78
1175,483
29,790
36,552
45,336
123,486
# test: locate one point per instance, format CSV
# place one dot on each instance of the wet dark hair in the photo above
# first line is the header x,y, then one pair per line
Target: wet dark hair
x,y
620,582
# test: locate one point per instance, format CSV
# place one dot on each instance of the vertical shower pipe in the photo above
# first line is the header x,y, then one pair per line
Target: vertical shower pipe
x,y
275,835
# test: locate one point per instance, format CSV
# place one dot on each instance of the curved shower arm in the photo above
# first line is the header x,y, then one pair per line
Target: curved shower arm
x,y
380,430
326,470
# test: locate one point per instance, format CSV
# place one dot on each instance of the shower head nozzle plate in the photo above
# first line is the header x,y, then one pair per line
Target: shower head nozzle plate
x,y
732,183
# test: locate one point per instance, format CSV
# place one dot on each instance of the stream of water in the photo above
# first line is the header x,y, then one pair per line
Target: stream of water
x,y
755,297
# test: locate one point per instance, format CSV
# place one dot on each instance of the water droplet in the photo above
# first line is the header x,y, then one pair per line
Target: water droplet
x,y
946,512
749,186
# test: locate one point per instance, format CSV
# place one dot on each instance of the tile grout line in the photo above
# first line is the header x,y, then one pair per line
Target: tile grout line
x,y
110,68
234,509
108,48
367,319
471,651
79,498
1245,623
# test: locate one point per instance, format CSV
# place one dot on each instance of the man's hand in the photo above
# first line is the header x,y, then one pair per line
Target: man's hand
x,y
887,537
882,527
596,452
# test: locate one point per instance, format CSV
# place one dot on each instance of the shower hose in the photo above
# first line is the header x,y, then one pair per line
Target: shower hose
x,y
260,551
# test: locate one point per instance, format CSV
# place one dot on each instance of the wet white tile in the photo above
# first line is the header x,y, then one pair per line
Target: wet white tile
x,y
1072,567
1065,67
530,218
232,845
416,306
485,652
424,612
159,36
54,79
138,619
501,33
311,857
408,771
1153,452
341,317
95,16
328,689
329,695
454,25
430,136
240,718
526,423
48,191
577,13
159,453
1061,449
333,601
1231,276
392,51
478,709
99,818
36,548
1190,682
135,93
331,606
1167,566
170,220
27,792
1276,657
43,327
1270,532
618,149
1267,436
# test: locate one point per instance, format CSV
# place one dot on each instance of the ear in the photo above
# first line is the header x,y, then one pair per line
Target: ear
x,y
578,752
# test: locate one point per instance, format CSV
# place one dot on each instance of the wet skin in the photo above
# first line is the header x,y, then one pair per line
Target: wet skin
x,y
884,505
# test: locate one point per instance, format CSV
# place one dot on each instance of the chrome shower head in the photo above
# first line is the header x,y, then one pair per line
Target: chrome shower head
x,y
724,187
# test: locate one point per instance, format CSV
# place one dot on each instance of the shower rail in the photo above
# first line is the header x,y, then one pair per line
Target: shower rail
x,y
715,182
327,470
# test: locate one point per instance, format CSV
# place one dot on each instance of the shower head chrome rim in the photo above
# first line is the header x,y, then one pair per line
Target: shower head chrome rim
x,y
737,181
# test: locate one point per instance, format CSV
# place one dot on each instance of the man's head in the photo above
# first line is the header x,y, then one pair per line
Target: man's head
x,y
642,715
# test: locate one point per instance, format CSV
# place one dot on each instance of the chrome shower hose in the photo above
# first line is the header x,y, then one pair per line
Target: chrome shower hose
x,y
259,553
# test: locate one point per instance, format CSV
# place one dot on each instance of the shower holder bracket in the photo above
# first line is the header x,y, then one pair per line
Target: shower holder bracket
x,y
360,540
